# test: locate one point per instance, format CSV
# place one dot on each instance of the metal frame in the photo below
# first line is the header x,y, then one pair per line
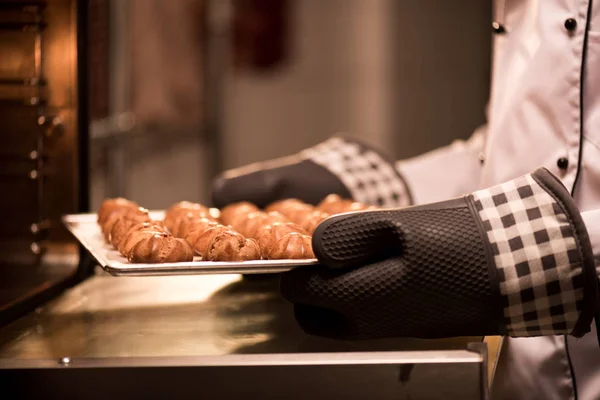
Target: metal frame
x,y
383,375
475,353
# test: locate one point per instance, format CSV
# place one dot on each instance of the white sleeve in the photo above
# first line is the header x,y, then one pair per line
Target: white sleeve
x,y
591,219
446,172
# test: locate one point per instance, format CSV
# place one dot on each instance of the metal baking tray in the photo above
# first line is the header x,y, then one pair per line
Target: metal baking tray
x,y
85,228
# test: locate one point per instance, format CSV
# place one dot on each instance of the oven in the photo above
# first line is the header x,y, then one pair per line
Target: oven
x,y
69,329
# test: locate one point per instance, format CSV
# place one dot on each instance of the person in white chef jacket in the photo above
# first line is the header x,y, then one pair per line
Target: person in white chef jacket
x,y
536,279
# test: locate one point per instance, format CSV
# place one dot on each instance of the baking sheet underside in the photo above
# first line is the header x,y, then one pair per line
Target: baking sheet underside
x,y
87,232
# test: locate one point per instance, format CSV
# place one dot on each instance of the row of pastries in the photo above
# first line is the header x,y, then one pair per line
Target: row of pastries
x,y
238,232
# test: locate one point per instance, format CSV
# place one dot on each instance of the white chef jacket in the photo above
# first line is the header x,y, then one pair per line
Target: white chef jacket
x,y
544,110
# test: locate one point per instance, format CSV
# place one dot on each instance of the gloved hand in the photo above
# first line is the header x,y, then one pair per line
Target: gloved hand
x,y
341,166
514,260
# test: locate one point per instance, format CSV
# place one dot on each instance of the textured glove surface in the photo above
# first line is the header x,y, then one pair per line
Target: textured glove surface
x,y
513,259
430,280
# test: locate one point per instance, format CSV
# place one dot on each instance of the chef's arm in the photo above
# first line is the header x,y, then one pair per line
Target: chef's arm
x,y
445,172
453,170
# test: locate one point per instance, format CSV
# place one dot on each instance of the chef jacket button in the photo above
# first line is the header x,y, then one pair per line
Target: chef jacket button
x,y
562,163
571,24
498,28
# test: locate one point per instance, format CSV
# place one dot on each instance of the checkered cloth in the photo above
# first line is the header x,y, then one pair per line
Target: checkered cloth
x,y
539,266
369,177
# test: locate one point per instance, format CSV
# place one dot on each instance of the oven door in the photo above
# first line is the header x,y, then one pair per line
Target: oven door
x,y
43,158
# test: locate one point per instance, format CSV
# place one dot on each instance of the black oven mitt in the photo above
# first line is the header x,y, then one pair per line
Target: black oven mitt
x,y
513,260
337,166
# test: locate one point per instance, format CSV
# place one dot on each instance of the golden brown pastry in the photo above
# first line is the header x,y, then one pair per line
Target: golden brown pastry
x,y
333,204
298,213
200,238
293,246
125,244
186,223
292,209
130,238
283,205
271,234
184,209
232,211
310,221
138,215
294,228
158,247
186,206
249,225
155,226
123,225
229,245
109,205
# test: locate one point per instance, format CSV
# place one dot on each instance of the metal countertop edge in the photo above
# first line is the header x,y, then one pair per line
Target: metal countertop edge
x,y
292,359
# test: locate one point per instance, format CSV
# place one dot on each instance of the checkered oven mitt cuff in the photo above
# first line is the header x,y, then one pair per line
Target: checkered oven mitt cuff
x,y
539,255
369,176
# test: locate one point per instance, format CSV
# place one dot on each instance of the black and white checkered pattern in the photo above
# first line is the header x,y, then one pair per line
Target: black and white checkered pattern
x,y
369,177
539,267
